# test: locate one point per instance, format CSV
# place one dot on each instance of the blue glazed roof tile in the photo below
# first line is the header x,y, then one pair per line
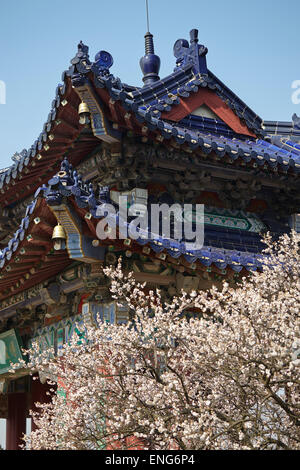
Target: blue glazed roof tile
x,y
147,104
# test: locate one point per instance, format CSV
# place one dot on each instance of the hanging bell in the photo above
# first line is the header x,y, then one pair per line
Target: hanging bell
x,y
59,237
83,108
59,232
84,113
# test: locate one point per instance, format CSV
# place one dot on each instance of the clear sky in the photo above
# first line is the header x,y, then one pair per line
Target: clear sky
x,y
253,48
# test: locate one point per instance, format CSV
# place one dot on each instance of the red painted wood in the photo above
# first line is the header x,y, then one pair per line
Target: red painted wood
x,y
16,421
215,103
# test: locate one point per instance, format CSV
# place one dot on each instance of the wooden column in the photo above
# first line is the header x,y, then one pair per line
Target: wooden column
x,y
16,420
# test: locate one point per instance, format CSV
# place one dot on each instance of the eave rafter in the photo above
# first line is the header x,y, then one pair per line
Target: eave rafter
x,y
61,132
29,258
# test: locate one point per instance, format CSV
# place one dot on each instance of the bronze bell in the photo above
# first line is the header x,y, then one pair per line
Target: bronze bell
x,y
83,108
59,233
59,238
84,114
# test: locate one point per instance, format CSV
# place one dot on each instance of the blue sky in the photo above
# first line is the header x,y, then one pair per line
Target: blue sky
x,y
253,47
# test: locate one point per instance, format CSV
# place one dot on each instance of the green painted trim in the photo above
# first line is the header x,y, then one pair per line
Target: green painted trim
x,y
10,350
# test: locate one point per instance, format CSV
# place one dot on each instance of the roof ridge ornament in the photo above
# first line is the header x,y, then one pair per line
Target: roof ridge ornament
x,y
103,62
150,63
81,55
80,64
83,50
192,53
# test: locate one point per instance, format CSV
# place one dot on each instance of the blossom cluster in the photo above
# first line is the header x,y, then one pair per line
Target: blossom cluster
x,y
226,377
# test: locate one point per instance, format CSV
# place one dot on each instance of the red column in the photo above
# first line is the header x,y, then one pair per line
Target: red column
x,y
38,394
16,420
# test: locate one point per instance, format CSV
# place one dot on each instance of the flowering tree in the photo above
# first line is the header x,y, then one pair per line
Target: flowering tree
x,y
227,378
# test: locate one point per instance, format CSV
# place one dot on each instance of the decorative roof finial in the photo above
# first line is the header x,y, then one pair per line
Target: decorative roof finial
x,y
150,63
194,36
192,53
83,50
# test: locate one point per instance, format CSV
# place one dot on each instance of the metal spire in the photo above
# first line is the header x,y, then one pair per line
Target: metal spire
x,y
150,63
147,13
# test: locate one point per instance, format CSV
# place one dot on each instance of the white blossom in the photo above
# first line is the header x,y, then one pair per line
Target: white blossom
x,y
226,379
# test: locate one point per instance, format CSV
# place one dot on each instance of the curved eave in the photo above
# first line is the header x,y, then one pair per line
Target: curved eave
x,y
28,258
61,134
174,252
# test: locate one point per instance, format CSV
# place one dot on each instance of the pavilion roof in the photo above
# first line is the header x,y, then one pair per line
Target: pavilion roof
x,y
29,255
165,111
162,110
